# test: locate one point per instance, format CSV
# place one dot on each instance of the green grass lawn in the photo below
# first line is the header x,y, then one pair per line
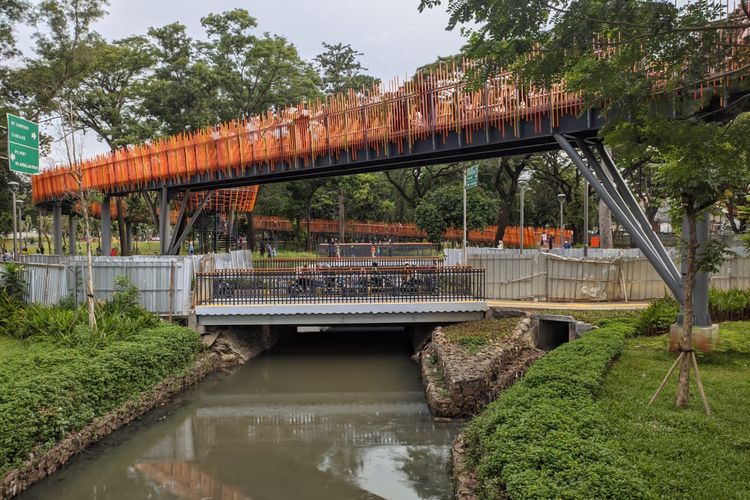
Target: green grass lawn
x,y
475,335
683,453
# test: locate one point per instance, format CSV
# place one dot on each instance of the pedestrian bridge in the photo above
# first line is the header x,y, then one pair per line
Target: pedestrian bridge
x,y
336,295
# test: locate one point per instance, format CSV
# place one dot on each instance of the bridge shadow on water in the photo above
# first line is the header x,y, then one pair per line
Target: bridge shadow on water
x,y
323,415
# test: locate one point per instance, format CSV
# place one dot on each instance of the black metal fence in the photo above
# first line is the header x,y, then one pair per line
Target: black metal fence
x,y
315,285
292,263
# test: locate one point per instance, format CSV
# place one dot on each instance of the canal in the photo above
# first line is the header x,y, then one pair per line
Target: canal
x,y
319,416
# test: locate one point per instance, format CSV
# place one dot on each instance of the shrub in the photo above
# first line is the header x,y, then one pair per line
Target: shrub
x,y
729,305
545,437
47,391
12,281
658,317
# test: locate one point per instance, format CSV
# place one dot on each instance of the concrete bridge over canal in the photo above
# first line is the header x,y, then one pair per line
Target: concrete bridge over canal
x,y
394,292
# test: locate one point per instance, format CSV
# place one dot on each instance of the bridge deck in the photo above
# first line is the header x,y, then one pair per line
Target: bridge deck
x,y
342,313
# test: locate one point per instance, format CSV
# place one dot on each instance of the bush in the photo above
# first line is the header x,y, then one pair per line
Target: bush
x,y
47,391
658,317
545,437
12,281
729,305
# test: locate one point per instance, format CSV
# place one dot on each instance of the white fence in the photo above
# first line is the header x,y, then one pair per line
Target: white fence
x,y
564,275
164,282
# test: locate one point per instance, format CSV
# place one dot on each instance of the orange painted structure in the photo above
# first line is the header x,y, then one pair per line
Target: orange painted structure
x,y
371,129
532,235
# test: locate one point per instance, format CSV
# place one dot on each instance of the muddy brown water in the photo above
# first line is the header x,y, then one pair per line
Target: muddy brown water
x,y
320,416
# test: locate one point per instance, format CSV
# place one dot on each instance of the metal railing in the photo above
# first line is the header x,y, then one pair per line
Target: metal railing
x,y
315,285
295,262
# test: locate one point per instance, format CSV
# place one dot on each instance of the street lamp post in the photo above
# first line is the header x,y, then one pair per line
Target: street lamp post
x,y
522,186
13,189
19,204
561,199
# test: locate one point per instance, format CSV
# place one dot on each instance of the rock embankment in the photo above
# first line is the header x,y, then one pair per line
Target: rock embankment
x,y
459,383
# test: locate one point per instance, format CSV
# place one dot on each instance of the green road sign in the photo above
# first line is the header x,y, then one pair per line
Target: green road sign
x,y
23,159
472,176
23,145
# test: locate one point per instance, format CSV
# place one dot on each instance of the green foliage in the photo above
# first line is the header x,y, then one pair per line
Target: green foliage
x,y
12,281
341,71
47,391
682,453
729,305
442,208
658,317
595,317
545,437
474,335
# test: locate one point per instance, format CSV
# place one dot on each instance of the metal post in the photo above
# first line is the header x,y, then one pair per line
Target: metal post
x,y
701,316
562,223
57,228
466,262
585,218
164,222
72,234
521,233
15,227
106,240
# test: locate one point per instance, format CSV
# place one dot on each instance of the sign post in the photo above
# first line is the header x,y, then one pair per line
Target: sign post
x,y
23,145
471,180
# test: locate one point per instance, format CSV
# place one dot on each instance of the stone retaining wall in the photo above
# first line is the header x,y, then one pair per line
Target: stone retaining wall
x,y
459,383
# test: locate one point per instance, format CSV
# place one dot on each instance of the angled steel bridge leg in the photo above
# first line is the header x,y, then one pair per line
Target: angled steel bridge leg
x,y
607,192
624,198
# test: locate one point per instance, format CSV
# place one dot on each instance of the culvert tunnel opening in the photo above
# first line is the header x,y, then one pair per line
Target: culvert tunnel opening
x,y
552,333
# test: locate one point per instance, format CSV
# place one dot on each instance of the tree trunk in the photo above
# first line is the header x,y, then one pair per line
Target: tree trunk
x,y
503,221
342,216
91,303
683,385
605,225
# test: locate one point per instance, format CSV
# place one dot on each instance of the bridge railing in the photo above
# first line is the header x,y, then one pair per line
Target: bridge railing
x,y
297,262
340,285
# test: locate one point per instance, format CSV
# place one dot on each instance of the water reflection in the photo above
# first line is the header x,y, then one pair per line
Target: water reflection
x,y
324,417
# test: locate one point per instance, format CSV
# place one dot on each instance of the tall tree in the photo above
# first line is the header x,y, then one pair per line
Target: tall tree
x,y
11,12
253,72
63,60
681,42
341,69
181,92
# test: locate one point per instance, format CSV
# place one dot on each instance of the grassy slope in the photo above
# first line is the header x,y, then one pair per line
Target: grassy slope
x,y
682,453
47,390
475,335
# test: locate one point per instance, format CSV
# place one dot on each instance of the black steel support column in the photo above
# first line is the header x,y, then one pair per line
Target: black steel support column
x,y
619,212
164,222
57,228
701,316
106,231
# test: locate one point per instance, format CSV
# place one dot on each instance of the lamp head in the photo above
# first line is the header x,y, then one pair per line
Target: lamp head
x,y
561,198
13,185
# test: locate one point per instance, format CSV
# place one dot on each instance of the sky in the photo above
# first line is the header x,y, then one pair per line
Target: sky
x,y
393,35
